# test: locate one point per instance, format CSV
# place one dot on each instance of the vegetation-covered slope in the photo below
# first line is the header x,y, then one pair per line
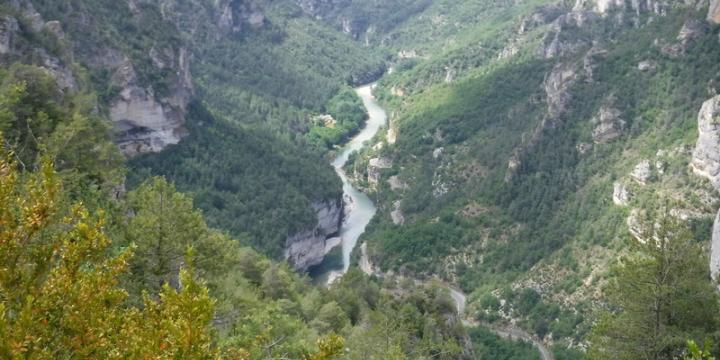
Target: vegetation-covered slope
x,y
263,69
507,151
90,271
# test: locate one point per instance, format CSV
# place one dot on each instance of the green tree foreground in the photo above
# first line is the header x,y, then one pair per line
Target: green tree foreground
x,y
661,297
60,293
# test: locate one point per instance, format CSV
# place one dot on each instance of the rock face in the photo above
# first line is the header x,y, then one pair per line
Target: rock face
x,y
396,215
142,122
231,15
706,163
642,172
556,44
647,66
307,247
604,7
557,88
590,61
63,76
713,15
374,167
706,157
691,31
608,125
621,195
541,16
715,249
396,183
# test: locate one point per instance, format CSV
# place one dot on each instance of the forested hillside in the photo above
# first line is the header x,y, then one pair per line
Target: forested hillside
x,y
549,174
525,144
94,266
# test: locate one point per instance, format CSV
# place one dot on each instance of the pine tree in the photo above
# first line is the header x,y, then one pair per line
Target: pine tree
x,y
661,297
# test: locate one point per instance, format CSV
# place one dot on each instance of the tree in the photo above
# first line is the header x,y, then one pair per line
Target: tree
x,y
59,289
662,295
162,226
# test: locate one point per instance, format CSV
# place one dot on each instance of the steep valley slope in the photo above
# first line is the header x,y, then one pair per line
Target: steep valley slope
x,y
524,149
527,140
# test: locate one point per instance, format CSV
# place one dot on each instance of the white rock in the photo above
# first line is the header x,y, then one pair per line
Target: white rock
x,y
308,247
396,184
621,195
715,249
714,12
647,66
706,157
642,172
608,125
374,167
397,216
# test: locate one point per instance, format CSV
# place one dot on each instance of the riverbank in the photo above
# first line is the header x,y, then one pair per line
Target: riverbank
x,y
359,209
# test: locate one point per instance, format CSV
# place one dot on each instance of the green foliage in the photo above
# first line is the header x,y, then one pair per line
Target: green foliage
x,y
35,115
60,288
254,185
660,297
558,207
348,111
490,346
696,353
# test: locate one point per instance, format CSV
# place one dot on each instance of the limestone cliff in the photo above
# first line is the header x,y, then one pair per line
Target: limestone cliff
x,y
714,12
706,163
706,157
144,122
307,248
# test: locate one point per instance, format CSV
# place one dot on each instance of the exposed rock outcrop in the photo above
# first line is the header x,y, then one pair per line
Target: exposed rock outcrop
x,y
541,16
715,249
642,172
713,15
232,15
691,31
142,122
396,183
621,194
706,157
557,87
609,125
63,76
557,43
307,247
635,7
396,215
591,60
647,66
375,165
706,163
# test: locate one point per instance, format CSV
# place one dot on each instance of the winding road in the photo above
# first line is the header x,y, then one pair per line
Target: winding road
x,y
508,332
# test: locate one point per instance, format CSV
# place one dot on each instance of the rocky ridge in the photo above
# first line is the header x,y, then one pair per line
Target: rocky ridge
x,y
308,247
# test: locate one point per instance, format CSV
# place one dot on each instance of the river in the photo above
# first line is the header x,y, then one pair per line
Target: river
x,y
360,209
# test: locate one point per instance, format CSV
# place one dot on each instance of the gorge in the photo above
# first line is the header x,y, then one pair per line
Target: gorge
x,y
359,208
359,179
